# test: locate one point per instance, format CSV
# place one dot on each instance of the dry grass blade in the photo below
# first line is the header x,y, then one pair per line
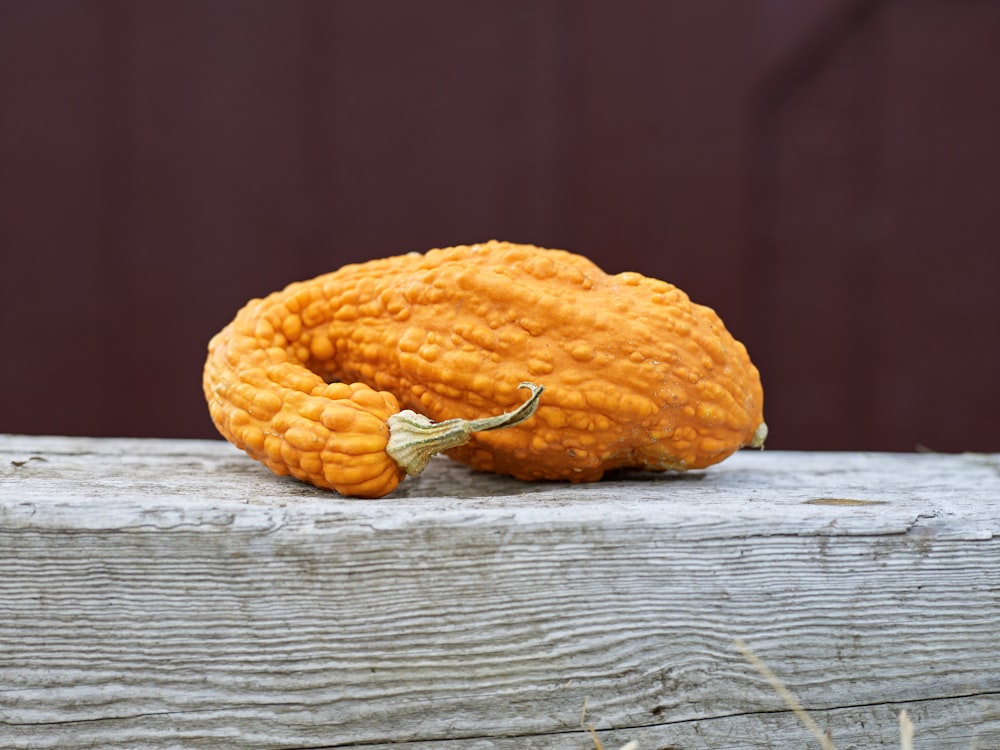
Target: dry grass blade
x,y
905,730
598,745
786,695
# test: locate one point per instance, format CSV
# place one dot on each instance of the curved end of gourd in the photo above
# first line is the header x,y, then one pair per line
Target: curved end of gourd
x,y
759,436
414,439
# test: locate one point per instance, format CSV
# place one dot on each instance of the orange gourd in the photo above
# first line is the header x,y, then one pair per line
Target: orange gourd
x,y
311,380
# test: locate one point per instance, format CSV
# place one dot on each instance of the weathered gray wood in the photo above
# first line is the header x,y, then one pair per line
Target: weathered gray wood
x,y
174,594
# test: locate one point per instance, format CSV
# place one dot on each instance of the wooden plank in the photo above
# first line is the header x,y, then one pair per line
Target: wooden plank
x,y
159,593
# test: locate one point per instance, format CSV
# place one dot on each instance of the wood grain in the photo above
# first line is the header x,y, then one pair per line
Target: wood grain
x,y
174,594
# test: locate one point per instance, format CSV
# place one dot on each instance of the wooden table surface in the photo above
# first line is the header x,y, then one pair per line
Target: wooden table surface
x,y
175,594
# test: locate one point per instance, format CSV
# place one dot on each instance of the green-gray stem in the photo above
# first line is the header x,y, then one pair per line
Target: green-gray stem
x,y
757,441
414,439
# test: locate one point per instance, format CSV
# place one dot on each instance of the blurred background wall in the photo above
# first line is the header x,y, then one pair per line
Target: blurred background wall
x,y
824,173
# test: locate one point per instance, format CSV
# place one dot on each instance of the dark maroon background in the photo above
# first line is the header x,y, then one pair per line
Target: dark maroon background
x,y
826,174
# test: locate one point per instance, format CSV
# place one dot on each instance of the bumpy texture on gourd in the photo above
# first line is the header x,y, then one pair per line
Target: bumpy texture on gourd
x,y
635,374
